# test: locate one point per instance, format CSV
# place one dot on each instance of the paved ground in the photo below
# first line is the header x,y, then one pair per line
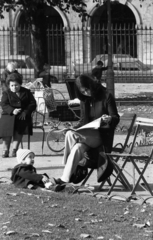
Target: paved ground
x,y
51,163
123,90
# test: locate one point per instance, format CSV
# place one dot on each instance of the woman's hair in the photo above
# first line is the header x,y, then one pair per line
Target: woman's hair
x,y
90,83
14,77
11,66
100,63
46,66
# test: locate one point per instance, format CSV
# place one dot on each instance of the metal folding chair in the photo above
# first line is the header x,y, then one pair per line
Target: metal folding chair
x,y
133,158
120,169
125,127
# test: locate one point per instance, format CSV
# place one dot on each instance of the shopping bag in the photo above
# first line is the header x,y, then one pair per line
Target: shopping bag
x,y
41,107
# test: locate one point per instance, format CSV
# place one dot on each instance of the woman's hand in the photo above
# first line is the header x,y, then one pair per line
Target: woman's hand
x,y
16,111
22,116
106,118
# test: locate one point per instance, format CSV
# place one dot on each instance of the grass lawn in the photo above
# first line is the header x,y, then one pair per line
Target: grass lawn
x,y
37,214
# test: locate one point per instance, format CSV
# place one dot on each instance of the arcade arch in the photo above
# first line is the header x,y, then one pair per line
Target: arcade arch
x,y
123,30
54,37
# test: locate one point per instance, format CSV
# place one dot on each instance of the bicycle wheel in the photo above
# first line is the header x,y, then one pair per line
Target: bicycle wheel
x,y
56,140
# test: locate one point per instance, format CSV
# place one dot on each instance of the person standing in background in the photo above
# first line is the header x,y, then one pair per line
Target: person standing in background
x,y
98,69
47,78
10,68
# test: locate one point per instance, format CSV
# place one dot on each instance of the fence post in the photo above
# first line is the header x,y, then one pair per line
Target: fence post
x,y
110,72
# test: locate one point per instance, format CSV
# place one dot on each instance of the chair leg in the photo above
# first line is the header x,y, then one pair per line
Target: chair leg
x,y
121,176
21,144
141,173
28,141
103,182
43,140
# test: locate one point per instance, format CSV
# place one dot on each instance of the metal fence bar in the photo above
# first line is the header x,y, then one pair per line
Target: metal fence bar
x,y
71,52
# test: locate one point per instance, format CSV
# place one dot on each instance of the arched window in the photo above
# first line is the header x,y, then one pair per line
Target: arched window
x,y
123,30
54,37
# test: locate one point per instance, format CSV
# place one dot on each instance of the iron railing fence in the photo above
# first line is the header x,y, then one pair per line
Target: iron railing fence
x,y
71,52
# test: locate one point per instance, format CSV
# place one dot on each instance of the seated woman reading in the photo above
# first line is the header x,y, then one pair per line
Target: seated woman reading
x,y
96,102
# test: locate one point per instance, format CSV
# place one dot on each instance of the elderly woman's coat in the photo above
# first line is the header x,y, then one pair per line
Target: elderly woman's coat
x,y
9,122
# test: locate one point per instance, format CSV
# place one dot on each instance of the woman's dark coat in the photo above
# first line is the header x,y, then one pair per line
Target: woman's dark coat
x,y
104,103
10,122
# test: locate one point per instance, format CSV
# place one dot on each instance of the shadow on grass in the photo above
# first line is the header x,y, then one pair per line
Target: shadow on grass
x,y
40,168
117,191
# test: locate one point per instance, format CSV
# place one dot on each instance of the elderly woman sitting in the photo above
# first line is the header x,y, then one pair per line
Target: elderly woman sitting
x,y
17,105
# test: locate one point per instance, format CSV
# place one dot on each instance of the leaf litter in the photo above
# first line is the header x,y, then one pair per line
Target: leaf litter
x,y
79,212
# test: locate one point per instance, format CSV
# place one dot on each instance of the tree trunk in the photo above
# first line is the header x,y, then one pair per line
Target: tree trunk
x,y
110,72
39,43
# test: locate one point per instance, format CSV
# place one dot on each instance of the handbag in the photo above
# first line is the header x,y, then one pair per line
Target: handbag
x,y
80,174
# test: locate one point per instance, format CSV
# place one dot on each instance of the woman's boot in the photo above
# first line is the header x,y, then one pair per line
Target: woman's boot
x,y
5,153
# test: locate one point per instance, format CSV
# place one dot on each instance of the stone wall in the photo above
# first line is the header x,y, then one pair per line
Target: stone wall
x,y
79,48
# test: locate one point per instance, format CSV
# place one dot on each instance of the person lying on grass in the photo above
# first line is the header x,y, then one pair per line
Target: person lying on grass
x,y
24,174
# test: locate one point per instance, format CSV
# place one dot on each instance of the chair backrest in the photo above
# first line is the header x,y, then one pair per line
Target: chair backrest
x,y
145,126
124,130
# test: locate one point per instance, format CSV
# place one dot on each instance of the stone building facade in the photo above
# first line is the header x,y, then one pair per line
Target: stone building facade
x,y
83,41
